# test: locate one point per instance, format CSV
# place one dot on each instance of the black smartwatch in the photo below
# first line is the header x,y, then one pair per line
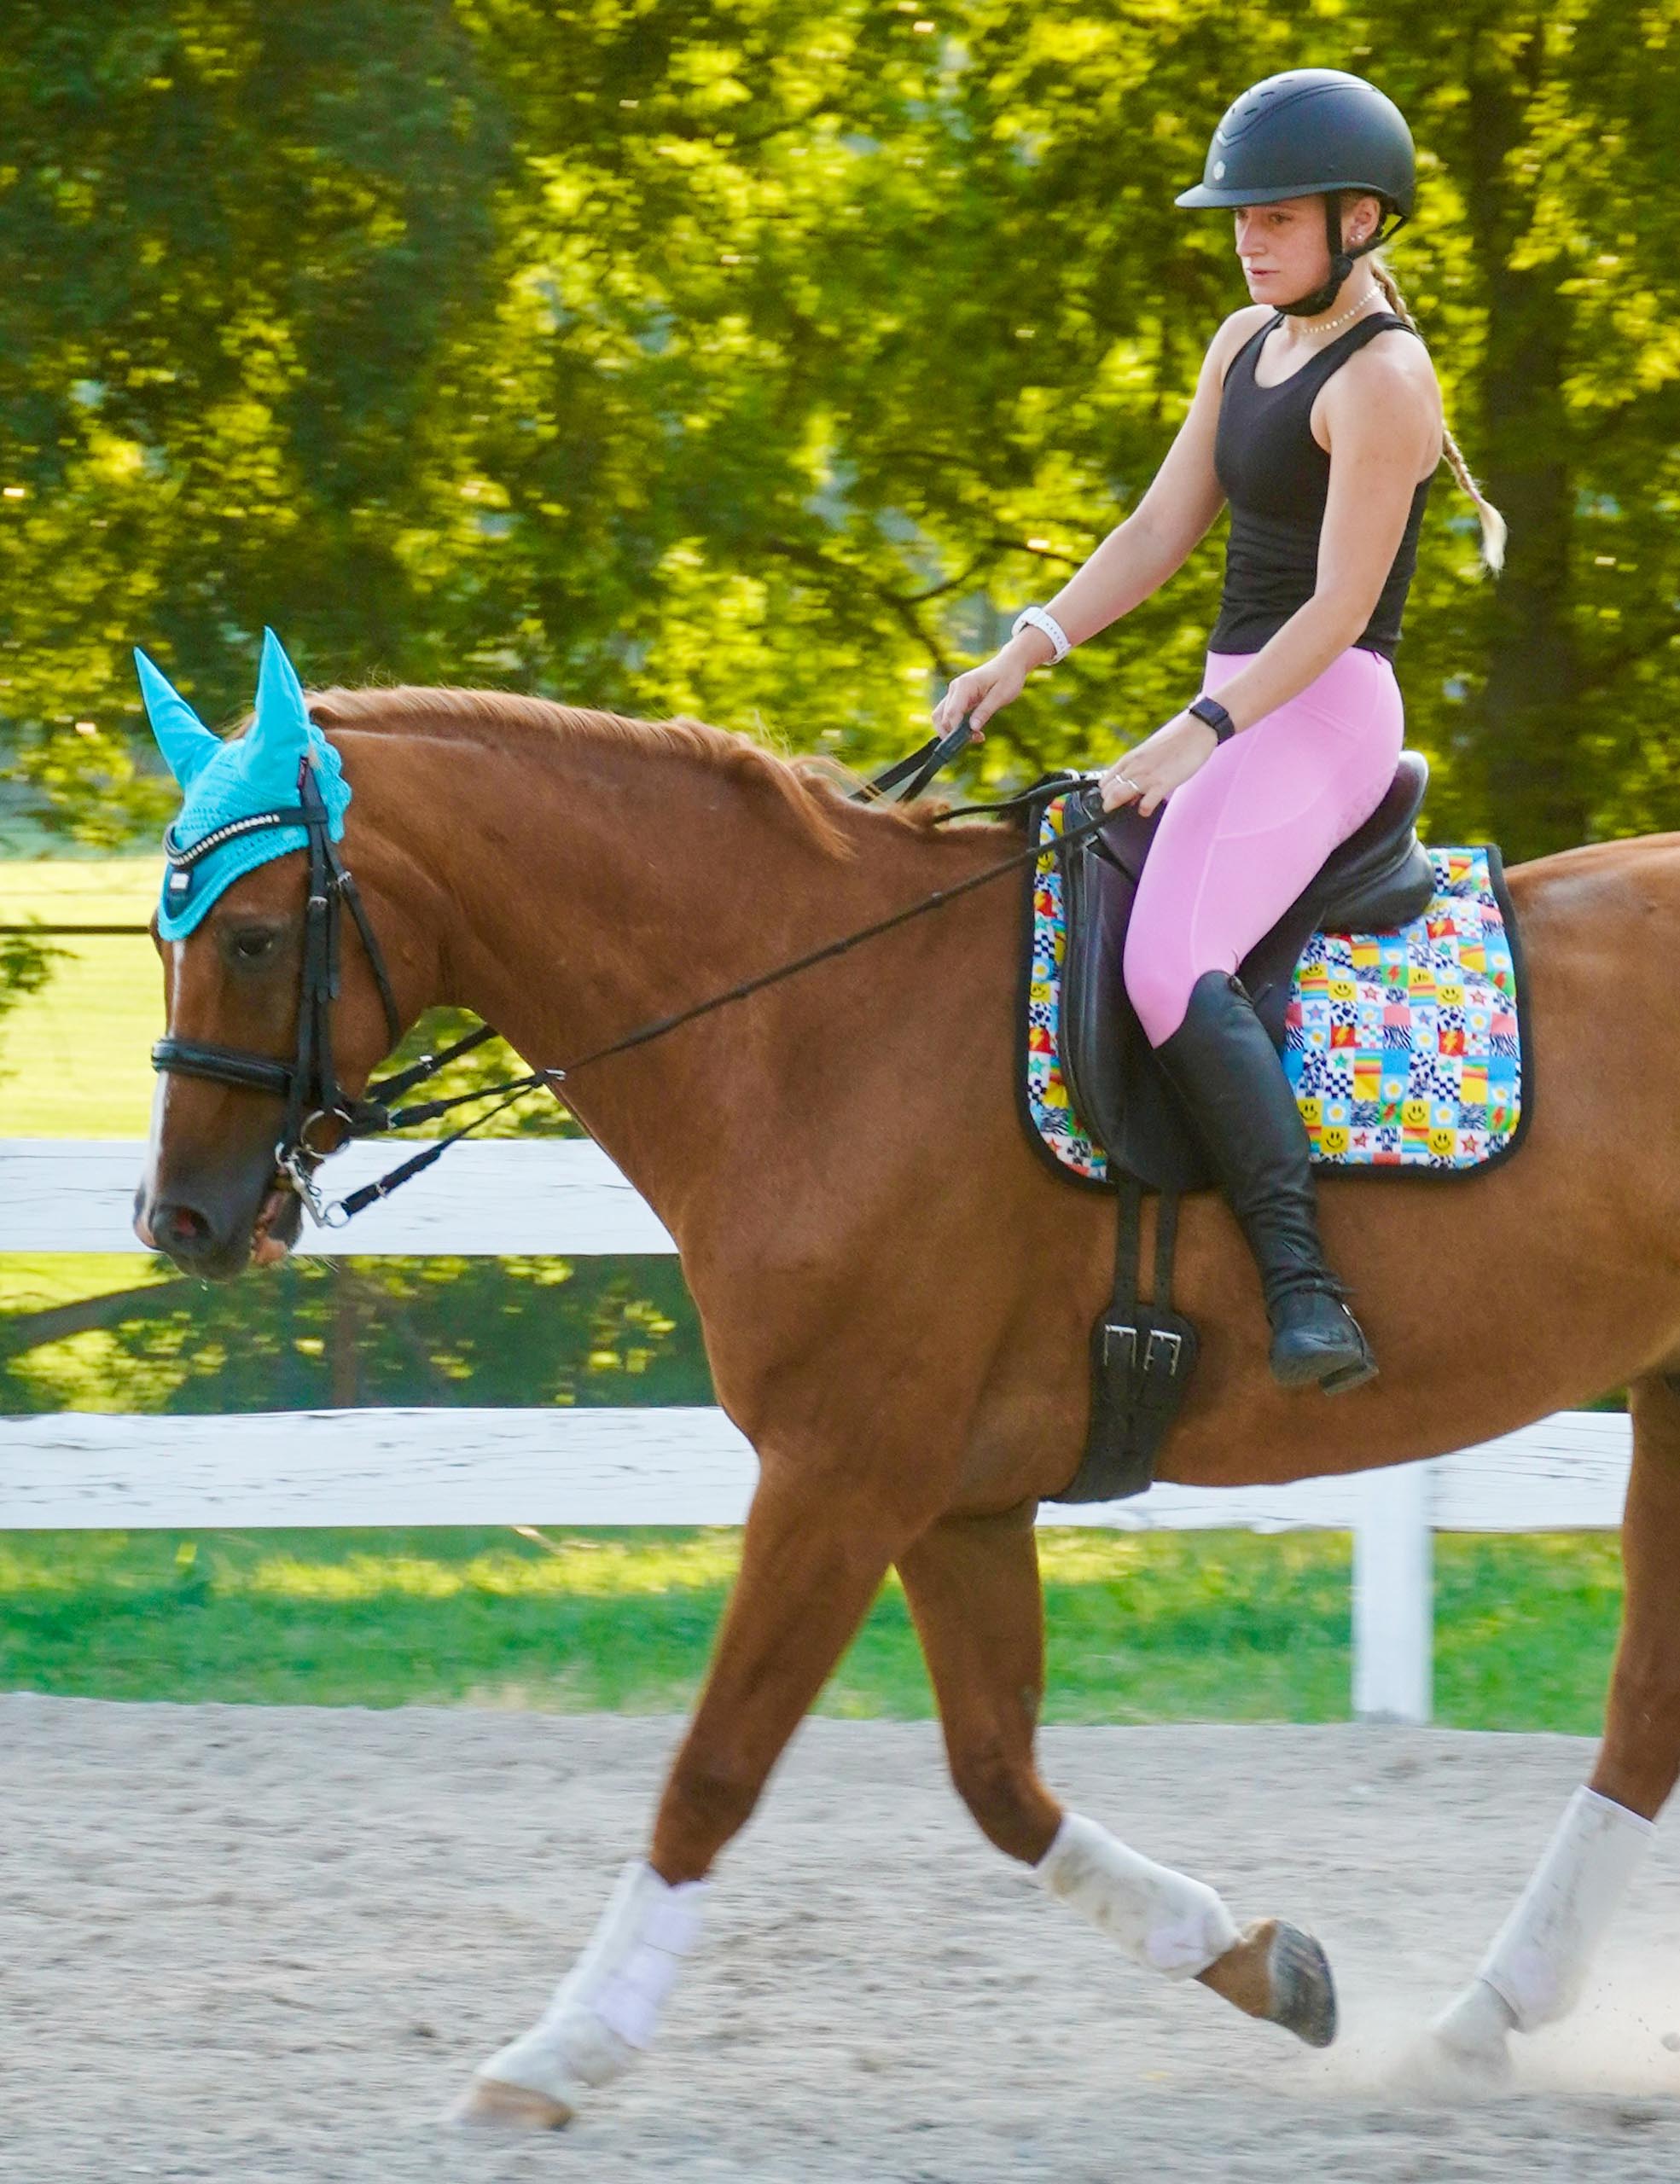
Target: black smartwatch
x,y
1210,710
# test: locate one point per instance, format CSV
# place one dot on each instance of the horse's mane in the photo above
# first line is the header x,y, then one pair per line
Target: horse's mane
x,y
809,788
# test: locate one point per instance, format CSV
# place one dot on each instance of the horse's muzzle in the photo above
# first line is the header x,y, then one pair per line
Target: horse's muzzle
x,y
215,1244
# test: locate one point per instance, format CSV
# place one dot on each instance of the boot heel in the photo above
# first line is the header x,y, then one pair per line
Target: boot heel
x,y
1317,1343
1350,1376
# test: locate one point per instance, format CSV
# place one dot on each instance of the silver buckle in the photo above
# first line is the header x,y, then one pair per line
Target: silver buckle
x,y
1173,1343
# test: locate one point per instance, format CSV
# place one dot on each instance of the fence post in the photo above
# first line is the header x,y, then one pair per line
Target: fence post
x,y
1393,1596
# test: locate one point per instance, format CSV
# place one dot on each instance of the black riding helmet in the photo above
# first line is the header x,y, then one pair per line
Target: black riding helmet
x,y
1308,132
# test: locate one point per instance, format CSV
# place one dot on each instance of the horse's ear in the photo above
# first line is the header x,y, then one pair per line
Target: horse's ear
x,y
186,743
279,732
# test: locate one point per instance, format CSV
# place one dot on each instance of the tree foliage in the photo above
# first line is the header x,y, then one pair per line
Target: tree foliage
x,y
756,359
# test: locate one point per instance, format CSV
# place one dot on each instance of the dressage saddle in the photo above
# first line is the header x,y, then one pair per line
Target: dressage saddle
x,y
1378,879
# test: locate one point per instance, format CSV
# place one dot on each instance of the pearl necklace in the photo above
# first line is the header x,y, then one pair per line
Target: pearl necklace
x,y
1331,326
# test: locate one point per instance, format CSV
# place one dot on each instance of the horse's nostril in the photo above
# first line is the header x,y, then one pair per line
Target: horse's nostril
x,y
180,1227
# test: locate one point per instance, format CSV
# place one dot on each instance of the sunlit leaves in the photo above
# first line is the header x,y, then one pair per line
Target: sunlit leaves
x,y
757,360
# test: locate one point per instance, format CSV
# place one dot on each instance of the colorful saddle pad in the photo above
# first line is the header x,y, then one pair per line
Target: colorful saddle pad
x,y
1405,1049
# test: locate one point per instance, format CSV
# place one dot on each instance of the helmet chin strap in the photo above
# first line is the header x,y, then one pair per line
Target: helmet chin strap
x,y
1341,259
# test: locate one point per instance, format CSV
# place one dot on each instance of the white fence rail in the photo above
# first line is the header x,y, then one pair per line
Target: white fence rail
x,y
508,1195
664,1467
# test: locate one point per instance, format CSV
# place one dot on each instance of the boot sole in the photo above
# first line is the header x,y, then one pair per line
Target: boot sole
x,y
1338,1380
1351,1376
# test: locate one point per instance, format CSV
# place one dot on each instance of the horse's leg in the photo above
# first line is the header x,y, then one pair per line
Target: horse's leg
x,y
813,1556
1539,1963
972,1585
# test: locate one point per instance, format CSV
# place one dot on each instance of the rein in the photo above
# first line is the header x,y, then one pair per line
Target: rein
x,y
309,1084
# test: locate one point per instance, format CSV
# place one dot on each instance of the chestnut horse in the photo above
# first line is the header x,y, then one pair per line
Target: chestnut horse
x,y
895,1293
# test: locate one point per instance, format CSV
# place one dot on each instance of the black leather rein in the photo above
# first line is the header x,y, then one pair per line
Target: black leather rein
x,y
309,1084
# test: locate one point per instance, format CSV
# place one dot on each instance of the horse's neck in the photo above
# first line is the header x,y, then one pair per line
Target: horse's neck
x,y
596,890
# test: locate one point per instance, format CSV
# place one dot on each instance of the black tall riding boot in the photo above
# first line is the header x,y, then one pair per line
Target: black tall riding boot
x,y
1229,1077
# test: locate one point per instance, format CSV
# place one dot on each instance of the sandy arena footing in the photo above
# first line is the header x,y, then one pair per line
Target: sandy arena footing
x,y
271,1943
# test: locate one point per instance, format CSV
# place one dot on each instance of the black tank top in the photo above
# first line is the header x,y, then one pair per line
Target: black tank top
x,y
1277,479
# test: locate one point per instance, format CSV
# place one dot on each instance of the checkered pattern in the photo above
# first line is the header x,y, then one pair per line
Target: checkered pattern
x,y
1402,1047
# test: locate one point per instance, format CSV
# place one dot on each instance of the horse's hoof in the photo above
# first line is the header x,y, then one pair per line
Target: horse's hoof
x,y
1437,2069
1304,1993
1275,1972
1471,2038
490,2103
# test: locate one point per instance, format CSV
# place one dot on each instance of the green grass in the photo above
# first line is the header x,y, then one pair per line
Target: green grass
x,y
75,1059
1160,1627
34,1281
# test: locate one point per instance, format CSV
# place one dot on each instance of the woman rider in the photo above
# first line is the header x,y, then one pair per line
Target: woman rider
x,y
1318,417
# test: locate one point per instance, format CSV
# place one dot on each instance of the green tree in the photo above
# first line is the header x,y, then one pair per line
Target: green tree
x,y
757,360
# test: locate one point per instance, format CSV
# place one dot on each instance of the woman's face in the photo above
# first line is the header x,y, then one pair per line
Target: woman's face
x,y
1282,245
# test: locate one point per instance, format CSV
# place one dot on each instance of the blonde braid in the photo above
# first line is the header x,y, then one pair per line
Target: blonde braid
x,y
1493,524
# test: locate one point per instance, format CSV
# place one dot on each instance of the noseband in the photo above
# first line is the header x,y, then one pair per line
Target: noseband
x,y
309,1083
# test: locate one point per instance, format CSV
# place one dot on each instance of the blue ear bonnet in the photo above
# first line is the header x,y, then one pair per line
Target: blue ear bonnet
x,y
226,783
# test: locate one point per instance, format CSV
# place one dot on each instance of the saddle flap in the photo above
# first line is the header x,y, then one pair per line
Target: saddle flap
x,y
1119,1090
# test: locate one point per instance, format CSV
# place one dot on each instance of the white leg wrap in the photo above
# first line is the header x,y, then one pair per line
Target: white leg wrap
x,y
1539,1960
1164,1918
607,2006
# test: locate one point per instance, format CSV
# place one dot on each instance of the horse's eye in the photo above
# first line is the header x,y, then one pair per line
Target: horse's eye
x,y
252,946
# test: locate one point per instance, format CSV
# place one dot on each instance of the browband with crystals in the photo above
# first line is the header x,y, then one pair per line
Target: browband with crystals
x,y
184,860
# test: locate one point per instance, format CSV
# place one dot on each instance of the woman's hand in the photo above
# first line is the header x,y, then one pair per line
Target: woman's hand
x,y
1164,762
981,691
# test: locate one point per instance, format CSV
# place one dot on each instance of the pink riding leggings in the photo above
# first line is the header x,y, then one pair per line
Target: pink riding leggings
x,y
1242,838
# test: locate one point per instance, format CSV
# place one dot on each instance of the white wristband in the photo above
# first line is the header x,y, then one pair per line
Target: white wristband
x,y
1040,618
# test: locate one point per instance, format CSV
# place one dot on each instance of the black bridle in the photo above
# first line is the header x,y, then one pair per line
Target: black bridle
x,y
309,1083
